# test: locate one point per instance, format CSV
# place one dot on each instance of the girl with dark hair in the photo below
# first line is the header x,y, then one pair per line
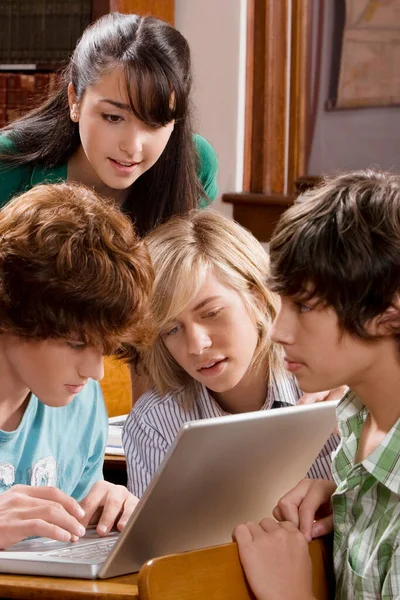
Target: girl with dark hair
x,y
120,123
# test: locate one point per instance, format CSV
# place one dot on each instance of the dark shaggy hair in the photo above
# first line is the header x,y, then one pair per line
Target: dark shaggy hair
x,y
340,243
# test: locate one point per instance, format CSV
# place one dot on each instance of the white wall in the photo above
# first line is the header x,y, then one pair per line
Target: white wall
x,y
215,30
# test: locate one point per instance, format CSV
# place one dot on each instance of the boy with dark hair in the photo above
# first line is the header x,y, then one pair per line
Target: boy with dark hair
x,y
335,261
74,283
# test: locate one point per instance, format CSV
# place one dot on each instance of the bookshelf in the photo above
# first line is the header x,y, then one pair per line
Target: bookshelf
x,y
41,31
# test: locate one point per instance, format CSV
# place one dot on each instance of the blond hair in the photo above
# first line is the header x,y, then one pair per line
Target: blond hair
x,y
182,252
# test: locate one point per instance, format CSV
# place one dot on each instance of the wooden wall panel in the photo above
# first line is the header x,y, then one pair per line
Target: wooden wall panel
x,y
163,9
249,97
268,46
100,8
277,110
300,77
258,215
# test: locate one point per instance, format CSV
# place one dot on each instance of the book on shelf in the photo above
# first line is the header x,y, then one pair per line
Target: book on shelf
x,y
114,440
44,32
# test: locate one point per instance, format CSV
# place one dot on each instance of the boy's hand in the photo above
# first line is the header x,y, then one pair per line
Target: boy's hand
x,y
108,505
308,507
27,510
275,559
335,394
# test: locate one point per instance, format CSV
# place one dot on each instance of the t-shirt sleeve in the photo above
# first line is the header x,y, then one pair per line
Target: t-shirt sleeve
x,y
96,427
208,169
144,448
14,179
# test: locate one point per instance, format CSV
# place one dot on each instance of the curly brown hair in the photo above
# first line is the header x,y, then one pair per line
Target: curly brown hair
x,y
71,265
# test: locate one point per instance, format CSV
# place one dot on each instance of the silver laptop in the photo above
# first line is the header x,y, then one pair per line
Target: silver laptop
x,y
218,473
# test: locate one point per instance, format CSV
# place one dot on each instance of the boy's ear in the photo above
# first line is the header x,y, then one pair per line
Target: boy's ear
x,y
388,322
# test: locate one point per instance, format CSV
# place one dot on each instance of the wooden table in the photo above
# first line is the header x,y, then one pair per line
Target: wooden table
x,y
27,587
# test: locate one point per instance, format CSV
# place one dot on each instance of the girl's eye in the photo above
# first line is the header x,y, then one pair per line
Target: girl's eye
x,y
112,118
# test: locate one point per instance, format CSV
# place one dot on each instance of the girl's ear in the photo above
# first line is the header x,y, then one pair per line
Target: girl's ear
x,y
73,103
388,322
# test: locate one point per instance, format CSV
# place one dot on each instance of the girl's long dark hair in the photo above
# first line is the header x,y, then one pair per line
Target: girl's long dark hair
x,y
155,58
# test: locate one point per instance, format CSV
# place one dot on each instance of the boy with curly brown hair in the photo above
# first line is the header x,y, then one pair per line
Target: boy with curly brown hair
x,y
74,283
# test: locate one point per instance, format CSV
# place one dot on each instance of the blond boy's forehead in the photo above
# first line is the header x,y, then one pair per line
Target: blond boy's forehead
x,y
183,289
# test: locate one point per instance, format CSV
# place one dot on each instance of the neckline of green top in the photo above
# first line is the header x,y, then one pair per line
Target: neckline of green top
x,y
42,174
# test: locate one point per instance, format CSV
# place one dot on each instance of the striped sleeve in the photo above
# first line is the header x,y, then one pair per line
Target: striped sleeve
x,y
150,429
144,447
322,466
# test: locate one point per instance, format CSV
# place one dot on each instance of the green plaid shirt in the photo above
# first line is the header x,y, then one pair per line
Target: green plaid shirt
x,y
366,510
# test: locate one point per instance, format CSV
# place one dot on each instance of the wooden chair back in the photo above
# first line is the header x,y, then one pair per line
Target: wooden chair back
x,y
116,387
216,574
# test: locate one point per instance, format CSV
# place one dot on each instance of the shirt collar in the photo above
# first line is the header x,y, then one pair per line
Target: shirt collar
x,y
383,463
282,391
349,406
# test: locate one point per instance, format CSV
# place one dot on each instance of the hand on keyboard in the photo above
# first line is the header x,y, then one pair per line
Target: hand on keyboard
x,y
38,511
109,505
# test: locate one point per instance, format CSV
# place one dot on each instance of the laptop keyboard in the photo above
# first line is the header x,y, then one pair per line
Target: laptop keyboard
x,y
98,550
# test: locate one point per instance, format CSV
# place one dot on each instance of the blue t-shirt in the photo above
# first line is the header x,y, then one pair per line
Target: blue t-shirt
x,y
62,446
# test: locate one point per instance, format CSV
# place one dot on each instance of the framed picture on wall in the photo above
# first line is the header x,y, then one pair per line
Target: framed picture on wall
x,y
366,54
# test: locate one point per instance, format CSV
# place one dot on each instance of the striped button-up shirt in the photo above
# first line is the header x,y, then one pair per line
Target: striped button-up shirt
x,y
155,420
366,510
